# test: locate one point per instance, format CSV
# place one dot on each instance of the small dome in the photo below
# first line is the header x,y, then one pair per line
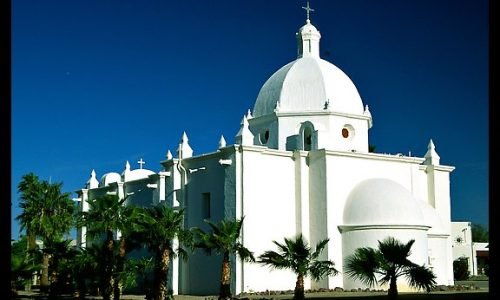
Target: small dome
x,y
432,219
308,28
305,85
381,201
109,178
138,174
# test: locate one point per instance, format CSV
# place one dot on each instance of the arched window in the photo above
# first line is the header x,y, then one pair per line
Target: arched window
x,y
307,136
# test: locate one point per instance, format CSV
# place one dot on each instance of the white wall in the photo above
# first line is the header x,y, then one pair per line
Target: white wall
x,y
343,172
370,237
461,239
439,260
269,209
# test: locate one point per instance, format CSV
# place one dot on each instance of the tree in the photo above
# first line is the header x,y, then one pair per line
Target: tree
x,y
479,233
61,255
388,262
47,213
102,219
461,268
296,255
129,222
28,188
138,274
224,238
22,265
85,269
159,229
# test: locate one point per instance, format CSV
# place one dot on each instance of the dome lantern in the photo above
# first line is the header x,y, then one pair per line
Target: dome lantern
x,y
308,38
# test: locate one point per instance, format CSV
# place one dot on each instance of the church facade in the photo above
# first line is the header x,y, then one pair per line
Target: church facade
x,y
300,164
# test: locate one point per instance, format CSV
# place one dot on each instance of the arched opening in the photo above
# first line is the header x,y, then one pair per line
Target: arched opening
x,y
307,136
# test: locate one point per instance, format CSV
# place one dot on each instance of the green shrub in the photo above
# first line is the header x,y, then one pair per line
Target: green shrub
x,y
461,269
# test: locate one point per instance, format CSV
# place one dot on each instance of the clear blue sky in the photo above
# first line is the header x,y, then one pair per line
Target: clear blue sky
x,y
96,83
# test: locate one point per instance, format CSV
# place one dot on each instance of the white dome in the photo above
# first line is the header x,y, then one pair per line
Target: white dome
x,y
380,201
305,85
138,174
432,219
109,178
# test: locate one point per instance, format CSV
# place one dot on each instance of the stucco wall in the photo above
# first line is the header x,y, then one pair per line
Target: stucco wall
x,y
370,237
269,210
439,259
201,273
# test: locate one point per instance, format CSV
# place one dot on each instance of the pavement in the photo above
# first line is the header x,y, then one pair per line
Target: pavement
x,y
469,286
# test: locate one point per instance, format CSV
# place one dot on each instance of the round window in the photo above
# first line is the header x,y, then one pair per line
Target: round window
x,y
348,132
345,133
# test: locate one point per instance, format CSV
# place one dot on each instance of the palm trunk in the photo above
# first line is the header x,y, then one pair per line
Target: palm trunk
x,y
54,288
107,271
44,282
393,289
299,288
225,281
161,273
119,269
31,244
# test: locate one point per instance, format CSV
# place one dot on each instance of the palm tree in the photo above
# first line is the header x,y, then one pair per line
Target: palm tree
x,y
102,219
388,262
85,269
130,219
159,229
138,273
296,255
47,213
107,215
224,238
27,188
61,254
22,265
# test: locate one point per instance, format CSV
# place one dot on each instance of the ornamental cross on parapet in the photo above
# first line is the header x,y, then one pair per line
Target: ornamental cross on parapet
x,y
308,9
141,162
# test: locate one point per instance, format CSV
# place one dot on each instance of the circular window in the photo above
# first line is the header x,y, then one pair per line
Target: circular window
x,y
345,133
264,136
348,132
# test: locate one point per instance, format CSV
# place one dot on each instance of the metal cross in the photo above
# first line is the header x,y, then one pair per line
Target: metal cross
x,y
308,9
141,162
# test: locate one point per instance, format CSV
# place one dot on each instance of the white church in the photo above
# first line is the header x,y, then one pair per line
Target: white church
x,y
300,164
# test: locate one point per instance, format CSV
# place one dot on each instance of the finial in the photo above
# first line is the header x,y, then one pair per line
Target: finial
x,y
308,10
431,157
184,150
368,114
244,121
244,135
249,114
127,166
169,154
92,183
222,142
184,138
141,162
431,145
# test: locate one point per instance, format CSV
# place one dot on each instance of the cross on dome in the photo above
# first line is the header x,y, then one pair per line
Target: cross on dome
x,y
141,162
308,10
